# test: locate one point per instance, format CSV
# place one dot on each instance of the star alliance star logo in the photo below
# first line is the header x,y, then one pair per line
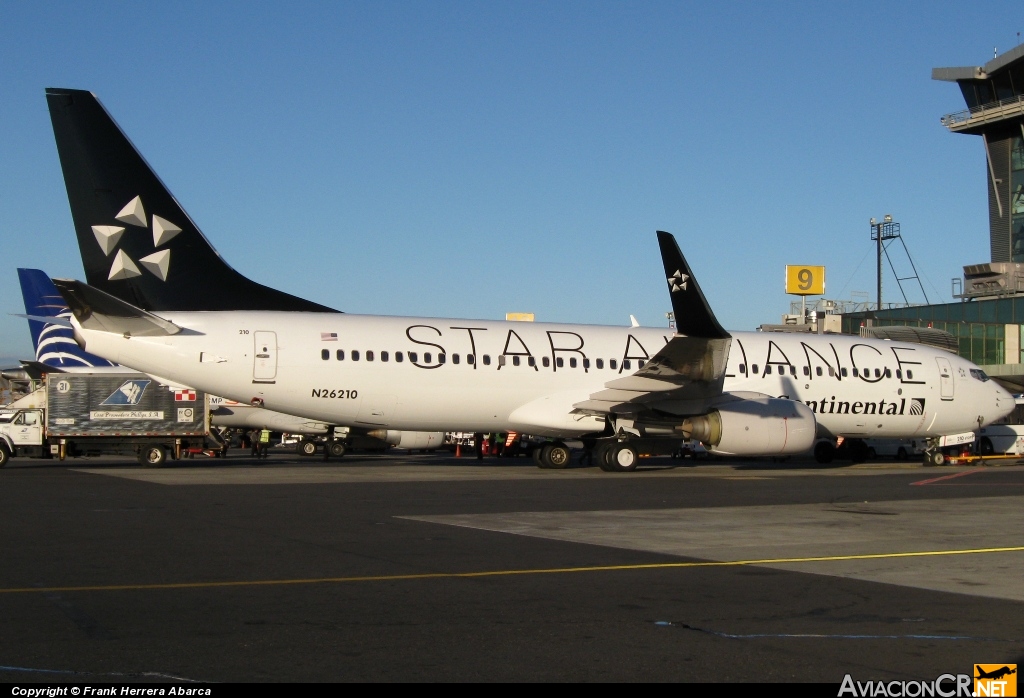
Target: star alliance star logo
x,y
158,264
677,282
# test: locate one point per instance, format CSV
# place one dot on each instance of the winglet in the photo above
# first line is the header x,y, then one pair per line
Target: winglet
x,y
692,312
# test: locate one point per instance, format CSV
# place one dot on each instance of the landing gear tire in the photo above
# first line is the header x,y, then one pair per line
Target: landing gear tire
x,y
536,454
337,449
901,453
623,458
555,456
306,448
601,454
934,458
985,448
858,451
824,452
152,456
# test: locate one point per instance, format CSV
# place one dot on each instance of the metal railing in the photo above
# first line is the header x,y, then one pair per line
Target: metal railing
x,y
951,120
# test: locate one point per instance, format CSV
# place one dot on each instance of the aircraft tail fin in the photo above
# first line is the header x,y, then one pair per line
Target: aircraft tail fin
x,y
137,242
53,341
692,313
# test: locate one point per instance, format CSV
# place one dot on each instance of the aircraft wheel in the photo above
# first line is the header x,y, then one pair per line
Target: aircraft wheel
x,y
556,456
338,449
600,456
4,456
934,458
858,451
824,452
622,458
306,448
152,456
536,452
986,447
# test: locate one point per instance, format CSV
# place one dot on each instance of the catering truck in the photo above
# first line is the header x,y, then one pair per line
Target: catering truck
x,y
92,414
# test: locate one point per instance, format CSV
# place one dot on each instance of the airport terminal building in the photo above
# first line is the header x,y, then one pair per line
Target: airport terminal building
x,y
988,319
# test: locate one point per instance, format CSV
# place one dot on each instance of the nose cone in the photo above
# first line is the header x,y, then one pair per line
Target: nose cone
x,y
1004,402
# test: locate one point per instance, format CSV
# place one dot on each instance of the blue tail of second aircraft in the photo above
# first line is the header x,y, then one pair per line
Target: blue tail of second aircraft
x,y
54,344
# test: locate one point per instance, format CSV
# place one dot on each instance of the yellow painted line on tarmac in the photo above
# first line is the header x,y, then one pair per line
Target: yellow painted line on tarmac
x,y
501,573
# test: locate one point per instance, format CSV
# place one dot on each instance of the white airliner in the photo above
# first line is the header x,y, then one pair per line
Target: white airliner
x,y
161,301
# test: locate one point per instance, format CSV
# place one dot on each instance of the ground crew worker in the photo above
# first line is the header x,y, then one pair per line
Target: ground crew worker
x,y
264,443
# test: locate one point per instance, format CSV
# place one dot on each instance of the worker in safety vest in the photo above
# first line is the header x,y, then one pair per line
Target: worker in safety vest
x,y
264,443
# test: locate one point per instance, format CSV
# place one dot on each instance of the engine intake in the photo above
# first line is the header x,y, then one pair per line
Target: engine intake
x,y
755,426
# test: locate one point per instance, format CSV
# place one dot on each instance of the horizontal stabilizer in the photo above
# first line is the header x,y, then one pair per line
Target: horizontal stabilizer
x,y
96,310
61,321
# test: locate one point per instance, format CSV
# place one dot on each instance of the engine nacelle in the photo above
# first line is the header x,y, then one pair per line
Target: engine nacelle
x,y
409,439
755,426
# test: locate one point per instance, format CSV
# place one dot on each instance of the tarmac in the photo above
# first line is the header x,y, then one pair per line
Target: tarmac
x,y
400,567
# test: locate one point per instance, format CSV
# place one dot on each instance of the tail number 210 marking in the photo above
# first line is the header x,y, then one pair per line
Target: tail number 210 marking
x,y
339,394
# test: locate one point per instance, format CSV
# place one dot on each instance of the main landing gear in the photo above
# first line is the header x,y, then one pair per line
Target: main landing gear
x,y
616,457
554,456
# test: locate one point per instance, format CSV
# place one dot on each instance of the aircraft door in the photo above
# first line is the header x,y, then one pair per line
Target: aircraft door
x,y
264,366
945,378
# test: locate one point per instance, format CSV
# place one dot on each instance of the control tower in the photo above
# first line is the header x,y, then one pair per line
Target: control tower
x,y
994,94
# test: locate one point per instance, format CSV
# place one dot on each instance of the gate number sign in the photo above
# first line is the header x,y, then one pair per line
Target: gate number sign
x,y
802,280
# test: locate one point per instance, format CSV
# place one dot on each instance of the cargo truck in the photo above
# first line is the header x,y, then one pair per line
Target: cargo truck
x,y
92,414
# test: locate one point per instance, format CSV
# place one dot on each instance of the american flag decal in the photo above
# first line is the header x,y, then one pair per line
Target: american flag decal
x,y
328,336
184,395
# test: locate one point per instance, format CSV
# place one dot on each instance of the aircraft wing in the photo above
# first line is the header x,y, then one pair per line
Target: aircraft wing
x,y
687,372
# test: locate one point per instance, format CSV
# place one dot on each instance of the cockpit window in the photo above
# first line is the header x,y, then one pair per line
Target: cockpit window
x,y
979,374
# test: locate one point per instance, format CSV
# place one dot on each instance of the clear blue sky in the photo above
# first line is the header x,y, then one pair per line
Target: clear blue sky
x,y
468,159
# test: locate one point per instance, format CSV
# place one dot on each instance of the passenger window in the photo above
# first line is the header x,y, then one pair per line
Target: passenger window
x,y
501,360
768,370
369,355
531,361
546,361
792,370
831,372
627,364
599,363
325,354
640,363
910,375
899,374
612,364
842,372
340,355
441,358
427,357
487,359
887,373
399,357
878,374
515,360
455,358
753,369
807,370
355,355
559,362
743,368
470,359
586,363
414,357
383,356
817,370
856,373
572,362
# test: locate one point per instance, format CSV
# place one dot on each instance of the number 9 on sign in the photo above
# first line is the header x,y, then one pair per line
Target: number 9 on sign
x,y
805,280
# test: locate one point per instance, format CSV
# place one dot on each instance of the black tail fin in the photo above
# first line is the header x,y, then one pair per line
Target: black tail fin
x,y
137,243
692,312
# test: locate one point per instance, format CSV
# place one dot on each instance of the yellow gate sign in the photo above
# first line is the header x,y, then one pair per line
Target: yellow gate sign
x,y
803,280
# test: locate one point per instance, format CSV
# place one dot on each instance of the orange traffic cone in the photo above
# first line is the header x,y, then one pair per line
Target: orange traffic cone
x,y
458,450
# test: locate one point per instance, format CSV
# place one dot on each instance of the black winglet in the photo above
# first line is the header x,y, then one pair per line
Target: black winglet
x,y
137,242
692,312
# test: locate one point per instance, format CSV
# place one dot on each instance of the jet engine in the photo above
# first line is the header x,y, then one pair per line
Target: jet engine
x,y
755,426
409,439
